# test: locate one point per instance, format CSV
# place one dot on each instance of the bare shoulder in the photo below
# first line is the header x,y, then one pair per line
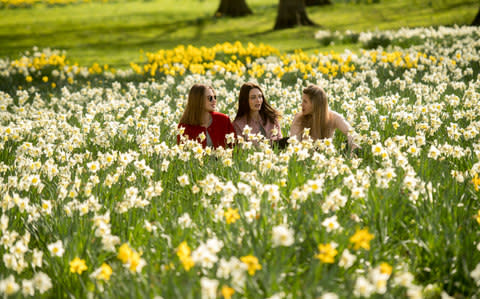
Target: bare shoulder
x,y
335,114
297,116
336,117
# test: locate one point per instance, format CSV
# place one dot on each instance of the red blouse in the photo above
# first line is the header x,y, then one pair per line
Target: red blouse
x,y
218,129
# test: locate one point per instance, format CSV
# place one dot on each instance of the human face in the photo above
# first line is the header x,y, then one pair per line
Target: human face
x,y
210,100
255,100
307,105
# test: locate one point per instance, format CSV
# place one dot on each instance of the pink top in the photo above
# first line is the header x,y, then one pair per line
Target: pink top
x,y
269,128
336,122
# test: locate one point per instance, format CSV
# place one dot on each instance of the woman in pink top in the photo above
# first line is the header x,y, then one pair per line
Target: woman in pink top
x,y
254,111
317,117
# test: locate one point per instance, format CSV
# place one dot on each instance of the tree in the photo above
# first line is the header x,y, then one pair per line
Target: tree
x,y
476,21
317,2
291,13
233,8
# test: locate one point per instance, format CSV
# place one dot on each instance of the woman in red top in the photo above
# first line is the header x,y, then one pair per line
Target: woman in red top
x,y
200,117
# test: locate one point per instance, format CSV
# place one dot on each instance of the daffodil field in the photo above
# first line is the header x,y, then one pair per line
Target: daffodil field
x,y
99,201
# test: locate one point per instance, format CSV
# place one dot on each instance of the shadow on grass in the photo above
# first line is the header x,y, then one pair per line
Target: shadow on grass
x,y
449,6
128,44
198,23
261,33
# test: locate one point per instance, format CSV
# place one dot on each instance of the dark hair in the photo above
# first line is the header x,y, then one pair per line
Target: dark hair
x,y
192,115
267,113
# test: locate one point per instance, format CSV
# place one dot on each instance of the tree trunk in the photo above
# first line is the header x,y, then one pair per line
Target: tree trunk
x,y
291,13
317,2
233,8
476,21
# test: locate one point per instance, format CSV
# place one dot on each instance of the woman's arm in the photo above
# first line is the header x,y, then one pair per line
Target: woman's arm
x,y
279,132
344,127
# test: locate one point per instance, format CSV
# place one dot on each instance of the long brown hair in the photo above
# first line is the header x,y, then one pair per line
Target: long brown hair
x,y
267,113
319,120
192,115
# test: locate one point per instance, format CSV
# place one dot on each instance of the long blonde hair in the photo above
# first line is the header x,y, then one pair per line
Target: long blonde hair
x,y
192,115
319,120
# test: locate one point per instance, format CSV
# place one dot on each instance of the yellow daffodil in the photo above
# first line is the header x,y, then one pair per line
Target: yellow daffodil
x,y
252,263
124,253
184,254
78,265
361,239
103,273
385,268
231,215
476,181
326,253
227,292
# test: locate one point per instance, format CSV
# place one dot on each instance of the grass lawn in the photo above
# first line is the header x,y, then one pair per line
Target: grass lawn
x,y
115,33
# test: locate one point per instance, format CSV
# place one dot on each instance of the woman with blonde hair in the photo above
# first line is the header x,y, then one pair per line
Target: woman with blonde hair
x,y
318,118
256,112
200,117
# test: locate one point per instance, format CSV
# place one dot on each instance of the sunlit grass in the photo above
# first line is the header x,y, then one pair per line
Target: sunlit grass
x,y
115,32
